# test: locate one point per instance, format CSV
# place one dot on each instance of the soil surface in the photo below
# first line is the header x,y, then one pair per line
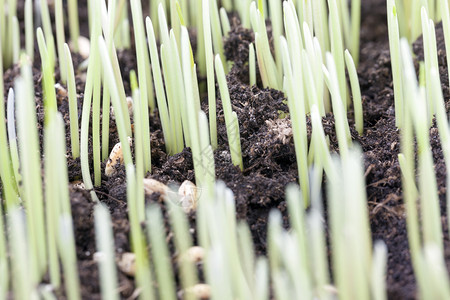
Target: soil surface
x,y
381,144
268,154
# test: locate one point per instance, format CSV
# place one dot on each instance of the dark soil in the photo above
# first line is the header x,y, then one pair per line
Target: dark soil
x,y
268,154
381,144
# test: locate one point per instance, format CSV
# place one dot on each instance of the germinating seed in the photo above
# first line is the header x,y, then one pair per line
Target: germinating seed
x,y
84,46
154,186
116,157
129,105
189,195
195,254
199,291
127,263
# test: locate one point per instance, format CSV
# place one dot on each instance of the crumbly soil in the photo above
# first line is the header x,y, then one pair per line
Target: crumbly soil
x,y
268,154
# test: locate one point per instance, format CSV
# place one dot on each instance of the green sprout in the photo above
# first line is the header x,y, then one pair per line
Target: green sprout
x,y
29,30
4,282
139,145
68,257
337,50
197,20
252,65
378,273
159,88
226,27
60,197
296,105
48,82
183,242
15,40
30,164
146,90
105,247
20,260
312,58
416,119
154,11
176,21
47,28
355,29
52,200
9,31
12,137
123,36
116,101
409,15
138,244
173,118
6,167
210,74
351,270
217,34
243,9
73,104
356,92
432,231
91,97
106,101
4,51
429,41
188,67
320,21
58,208
277,30
74,25
231,120
341,122
267,67
160,253
444,9
207,155
60,39
394,45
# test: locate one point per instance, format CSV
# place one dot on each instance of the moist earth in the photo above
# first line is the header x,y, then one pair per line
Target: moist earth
x,y
268,154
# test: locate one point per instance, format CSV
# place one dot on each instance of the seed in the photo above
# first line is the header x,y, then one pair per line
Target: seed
x,y
188,195
127,263
130,108
60,90
115,157
195,254
199,291
154,186
78,184
84,46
